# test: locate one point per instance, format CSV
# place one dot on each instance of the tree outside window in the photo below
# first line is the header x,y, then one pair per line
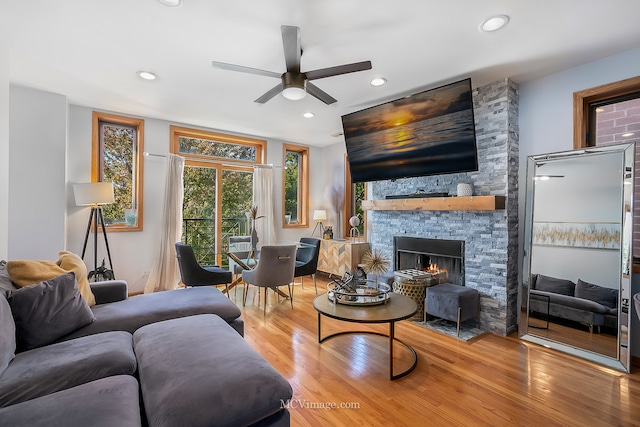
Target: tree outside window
x,y
116,158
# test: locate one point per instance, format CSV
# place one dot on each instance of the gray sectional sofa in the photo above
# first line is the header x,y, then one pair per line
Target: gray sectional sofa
x,y
164,359
586,303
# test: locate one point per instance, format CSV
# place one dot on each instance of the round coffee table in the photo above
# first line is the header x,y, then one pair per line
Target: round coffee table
x,y
397,308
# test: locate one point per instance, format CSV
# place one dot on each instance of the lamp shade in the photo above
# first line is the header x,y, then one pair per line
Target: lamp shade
x,y
319,215
93,193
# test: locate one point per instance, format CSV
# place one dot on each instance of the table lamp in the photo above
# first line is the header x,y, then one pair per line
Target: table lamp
x,y
319,215
95,194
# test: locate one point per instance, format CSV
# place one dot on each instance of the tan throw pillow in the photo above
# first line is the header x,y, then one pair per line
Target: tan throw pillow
x,y
28,272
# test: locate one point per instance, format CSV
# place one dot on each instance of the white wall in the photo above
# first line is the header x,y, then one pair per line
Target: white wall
x,y
133,253
4,146
546,121
37,152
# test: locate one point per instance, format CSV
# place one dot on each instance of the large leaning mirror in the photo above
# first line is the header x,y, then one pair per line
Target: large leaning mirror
x,y
577,263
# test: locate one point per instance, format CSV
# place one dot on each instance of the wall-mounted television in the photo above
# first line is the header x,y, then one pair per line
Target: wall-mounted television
x,y
428,133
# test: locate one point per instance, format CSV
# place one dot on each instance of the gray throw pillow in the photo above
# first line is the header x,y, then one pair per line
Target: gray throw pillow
x,y
605,296
48,310
5,280
7,334
555,285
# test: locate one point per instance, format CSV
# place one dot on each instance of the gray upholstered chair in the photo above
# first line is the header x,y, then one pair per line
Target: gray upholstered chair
x,y
194,274
275,268
241,247
307,260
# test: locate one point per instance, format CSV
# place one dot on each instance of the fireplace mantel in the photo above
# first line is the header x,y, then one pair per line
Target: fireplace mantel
x,y
471,203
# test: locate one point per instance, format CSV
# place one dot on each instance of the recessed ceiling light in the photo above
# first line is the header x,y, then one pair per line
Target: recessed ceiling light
x,y
378,81
170,3
147,75
308,114
494,23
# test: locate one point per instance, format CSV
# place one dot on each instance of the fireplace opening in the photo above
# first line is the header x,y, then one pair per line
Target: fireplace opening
x,y
444,259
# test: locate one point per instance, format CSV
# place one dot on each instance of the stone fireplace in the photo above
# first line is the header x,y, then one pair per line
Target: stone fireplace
x,y
438,256
490,237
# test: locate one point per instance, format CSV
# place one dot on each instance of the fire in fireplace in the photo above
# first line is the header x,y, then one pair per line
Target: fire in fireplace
x,y
444,258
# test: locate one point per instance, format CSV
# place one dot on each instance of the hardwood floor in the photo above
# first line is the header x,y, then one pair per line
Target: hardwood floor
x,y
491,381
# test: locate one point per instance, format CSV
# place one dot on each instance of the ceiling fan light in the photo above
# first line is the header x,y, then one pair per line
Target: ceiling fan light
x,y
294,93
170,3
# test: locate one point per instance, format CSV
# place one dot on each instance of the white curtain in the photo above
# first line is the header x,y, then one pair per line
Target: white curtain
x,y
165,274
263,198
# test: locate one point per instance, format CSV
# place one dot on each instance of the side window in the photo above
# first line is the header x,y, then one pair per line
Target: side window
x,y
295,185
117,150
607,115
354,194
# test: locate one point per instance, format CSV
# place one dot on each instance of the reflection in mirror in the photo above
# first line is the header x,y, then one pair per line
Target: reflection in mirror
x,y
577,263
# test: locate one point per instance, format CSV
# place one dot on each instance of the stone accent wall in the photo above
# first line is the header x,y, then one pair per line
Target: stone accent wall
x,y
491,259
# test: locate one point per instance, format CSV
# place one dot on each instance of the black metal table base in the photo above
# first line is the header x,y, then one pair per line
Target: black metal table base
x,y
391,337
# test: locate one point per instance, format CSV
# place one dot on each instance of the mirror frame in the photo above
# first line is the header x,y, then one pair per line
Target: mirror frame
x,y
623,349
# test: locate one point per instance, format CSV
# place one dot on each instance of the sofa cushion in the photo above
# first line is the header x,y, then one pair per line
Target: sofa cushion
x,y
28,272
47,311
605,296
140,310
7,334
201,359
108,402
60,366
553,284
5,280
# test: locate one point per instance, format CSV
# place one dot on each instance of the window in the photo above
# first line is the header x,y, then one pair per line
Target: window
x,y
117,149
295,186
354,194
610,114
218,188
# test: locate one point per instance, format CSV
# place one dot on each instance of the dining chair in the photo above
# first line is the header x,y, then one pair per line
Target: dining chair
x,y
275,268
194,274
307,260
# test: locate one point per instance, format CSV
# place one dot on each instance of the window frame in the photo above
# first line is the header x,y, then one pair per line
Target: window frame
x,y
218,163
582,101
349,207
303,221
97,163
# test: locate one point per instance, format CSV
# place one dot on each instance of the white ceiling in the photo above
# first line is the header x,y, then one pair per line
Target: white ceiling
x,y
90,51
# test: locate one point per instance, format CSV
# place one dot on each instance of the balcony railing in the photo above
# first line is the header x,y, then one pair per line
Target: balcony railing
x,y
200,234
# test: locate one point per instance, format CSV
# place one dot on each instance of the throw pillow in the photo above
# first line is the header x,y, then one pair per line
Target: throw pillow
x,y
7,334
605,296
28,272
5,280
47,311
555,285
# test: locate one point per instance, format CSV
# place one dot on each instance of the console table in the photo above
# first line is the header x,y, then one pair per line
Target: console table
x,y
338,256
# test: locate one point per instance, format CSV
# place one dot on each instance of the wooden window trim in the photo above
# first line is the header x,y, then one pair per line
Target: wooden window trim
x,y
348,199
177,131
97,161
582,100
218,163
303,221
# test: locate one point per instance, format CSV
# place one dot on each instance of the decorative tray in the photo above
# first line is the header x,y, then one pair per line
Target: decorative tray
x,y
351,291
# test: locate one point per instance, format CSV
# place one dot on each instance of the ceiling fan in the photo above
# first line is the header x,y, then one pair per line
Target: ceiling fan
x,y
295,84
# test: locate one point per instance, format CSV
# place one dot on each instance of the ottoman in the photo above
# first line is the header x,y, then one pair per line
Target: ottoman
x,y
452,302
198,371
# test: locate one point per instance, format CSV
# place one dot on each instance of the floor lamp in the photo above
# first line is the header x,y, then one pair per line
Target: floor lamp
x,y
319,215
95,194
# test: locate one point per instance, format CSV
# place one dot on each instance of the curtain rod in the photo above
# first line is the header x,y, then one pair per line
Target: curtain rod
x,y
147,154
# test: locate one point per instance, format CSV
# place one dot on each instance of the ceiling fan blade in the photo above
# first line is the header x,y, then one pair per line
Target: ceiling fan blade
x,y
270,94
242,69
320,94
340,69
292,50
